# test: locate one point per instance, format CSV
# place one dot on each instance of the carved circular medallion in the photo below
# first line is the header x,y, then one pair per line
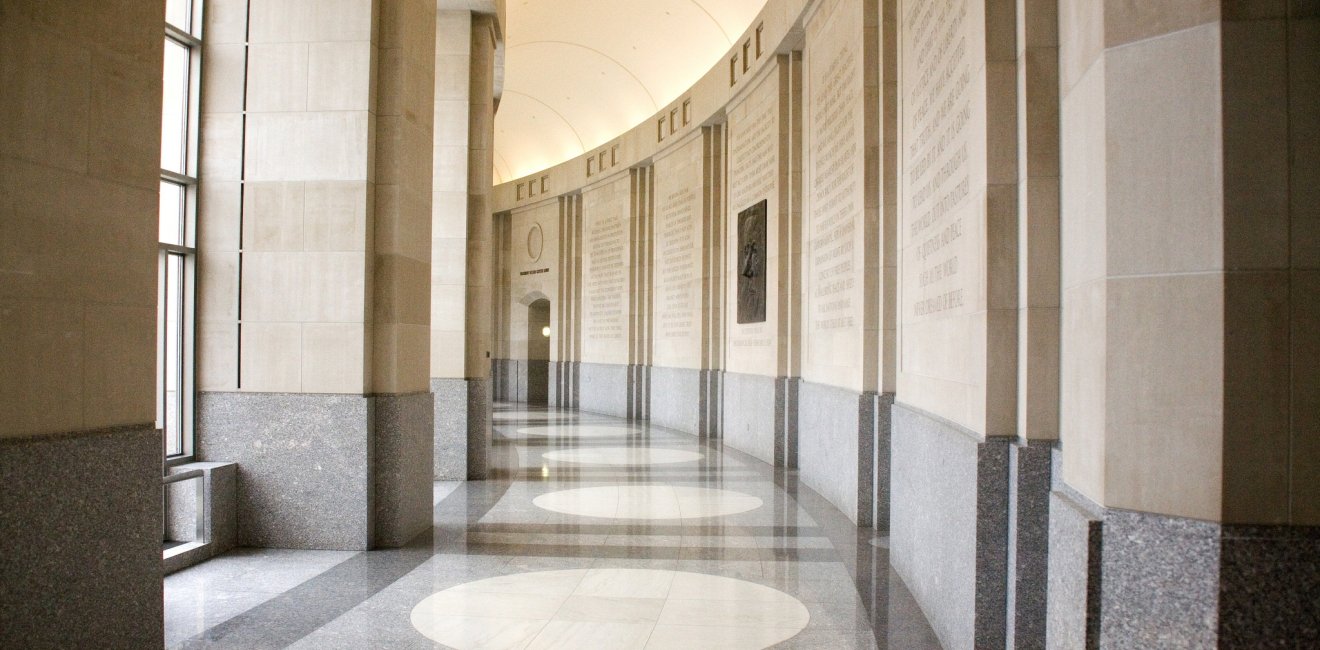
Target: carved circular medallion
x,y
535,242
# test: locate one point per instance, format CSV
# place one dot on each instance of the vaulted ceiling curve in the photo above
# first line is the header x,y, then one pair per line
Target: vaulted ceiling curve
x,y
580,72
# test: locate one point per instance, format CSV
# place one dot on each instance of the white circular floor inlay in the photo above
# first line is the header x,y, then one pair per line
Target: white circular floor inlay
x,y
622,456
577,431
610,608
647,502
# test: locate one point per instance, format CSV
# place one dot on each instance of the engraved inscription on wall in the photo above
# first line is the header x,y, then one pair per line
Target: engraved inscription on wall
x,y
754,137
835,200
606,272
936,174
676,258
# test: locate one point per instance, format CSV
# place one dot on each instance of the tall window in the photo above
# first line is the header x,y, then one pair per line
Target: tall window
x,y
178,210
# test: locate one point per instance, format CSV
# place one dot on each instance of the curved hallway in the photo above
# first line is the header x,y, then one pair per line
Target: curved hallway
x,y
592,532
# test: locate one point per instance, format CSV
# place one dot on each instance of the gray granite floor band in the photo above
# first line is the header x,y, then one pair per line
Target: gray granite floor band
x,y
403,463
304,465
1029,479
604,389
80,557
450,461
829,428
948,532
676,398
749,415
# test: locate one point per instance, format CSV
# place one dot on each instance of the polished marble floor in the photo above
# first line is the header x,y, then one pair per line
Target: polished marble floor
x,y
593,532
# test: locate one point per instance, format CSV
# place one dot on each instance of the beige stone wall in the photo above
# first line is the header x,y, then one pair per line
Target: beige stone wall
x,y
606,257
315,205
532,269
302,153
453,60
679,254
835,225
957,295
79,180
755,126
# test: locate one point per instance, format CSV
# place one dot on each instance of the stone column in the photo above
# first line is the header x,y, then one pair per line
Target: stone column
x,y
311,344
80,457
479,297
1187,507
449,268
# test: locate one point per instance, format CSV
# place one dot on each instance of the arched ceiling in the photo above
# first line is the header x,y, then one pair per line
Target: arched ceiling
x,y
580,72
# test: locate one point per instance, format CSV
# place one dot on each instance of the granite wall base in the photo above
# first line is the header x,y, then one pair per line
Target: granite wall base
x,y
676,399
80,557
479,431
304,465
835,447
504,375
604,389
949,526
749,415
451,425
403,466
1030,467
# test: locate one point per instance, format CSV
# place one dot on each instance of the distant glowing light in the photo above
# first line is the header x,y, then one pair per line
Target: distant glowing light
x,y
545,331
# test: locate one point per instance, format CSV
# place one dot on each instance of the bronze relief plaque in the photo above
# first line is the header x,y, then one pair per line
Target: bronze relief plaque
x,y
751,264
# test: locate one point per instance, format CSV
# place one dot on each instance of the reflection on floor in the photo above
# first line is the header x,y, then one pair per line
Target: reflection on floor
x,y
593,533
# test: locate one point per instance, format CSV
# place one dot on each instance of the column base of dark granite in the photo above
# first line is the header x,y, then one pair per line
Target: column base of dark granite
x,y
451,440
884,411
836,437
1133,579
479,430
604,389
949,525
639,392
403,466
563,384
304,465
676,398
1030,467
80,556
786,421
710,403
748,409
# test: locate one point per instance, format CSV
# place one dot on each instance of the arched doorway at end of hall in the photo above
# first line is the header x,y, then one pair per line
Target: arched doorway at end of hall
x,y
538,352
